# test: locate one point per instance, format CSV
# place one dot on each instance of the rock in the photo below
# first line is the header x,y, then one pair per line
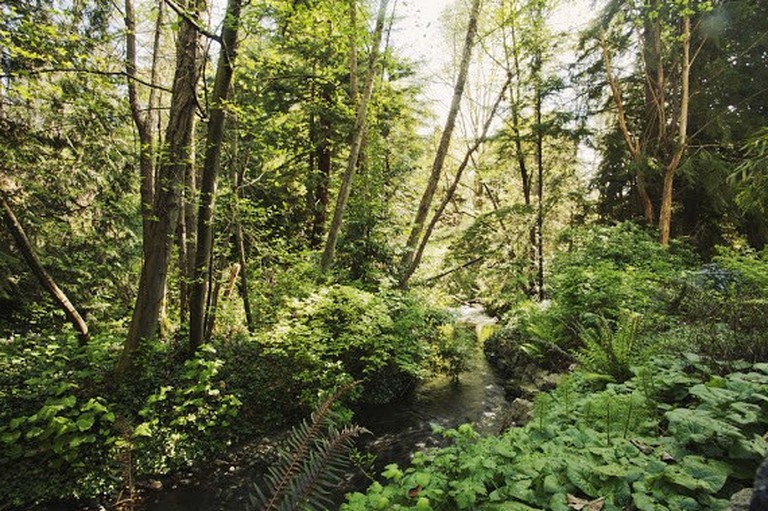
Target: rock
x,y
155,485
517,414
740,500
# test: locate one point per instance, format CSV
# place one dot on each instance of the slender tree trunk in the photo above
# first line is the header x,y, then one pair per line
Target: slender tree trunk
x,y
665,213
45,279
539,185
213,302
154,113
357,141
214,139
632,142
353,88
237,178
442,151
187,239
454,185
646,203
181,243
525,176
143,123
323,156
240,241
152,284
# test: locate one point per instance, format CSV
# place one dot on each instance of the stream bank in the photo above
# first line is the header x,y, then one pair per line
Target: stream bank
x,y
398,430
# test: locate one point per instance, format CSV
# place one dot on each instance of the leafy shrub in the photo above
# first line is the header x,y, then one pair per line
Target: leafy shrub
x,y
64,428
622,447
723,308
180,423
609,270
341,333
56,425
336,335
607,273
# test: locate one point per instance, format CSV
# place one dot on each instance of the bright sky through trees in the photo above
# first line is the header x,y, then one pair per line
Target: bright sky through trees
x,y
420,34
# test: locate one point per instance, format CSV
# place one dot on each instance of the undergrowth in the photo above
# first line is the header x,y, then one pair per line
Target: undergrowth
x,y
670,438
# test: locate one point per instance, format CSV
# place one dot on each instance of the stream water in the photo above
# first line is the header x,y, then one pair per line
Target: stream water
x,y
399,429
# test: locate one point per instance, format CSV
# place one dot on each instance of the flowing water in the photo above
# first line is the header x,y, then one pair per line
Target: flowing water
x,y
399,429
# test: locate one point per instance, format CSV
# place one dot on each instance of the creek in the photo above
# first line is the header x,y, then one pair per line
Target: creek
x,y
399,428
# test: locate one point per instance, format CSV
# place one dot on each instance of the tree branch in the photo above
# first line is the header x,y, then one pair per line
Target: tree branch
x,y
192,21
97,72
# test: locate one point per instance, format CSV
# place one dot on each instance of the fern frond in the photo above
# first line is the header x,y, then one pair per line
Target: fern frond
x,y
301,440
324,469
610,349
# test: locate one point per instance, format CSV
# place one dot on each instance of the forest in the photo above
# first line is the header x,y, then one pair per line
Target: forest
x,y
268,256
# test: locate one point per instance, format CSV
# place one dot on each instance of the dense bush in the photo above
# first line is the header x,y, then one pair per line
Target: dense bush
x,y
336,335
66,430
723,308
670,438
609,270
608,273
69,430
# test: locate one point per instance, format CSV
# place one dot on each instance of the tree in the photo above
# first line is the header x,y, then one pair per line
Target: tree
x,y
358,133
170,178
442,150
661,135
144,119
213,143
25,247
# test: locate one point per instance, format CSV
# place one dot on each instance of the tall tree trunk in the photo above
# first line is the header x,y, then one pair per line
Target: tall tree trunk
x,y
323,156
144,126
353,88
665,213
213,143
154,272
187,235
213,300
525,176
442,150
454,185
45,279
241,252
539,185
357,141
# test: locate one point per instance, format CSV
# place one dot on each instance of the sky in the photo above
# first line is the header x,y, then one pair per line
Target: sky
x,y
420,36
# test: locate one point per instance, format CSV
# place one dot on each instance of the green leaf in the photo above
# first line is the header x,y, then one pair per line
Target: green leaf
x,y
644,502
9,437
142,430
698,426
422,478
85,421
711,474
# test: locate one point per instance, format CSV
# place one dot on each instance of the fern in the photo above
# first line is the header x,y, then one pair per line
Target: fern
x,y
318,461
610,350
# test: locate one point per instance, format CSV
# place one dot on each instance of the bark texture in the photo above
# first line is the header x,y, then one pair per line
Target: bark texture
x,y
211,166
170,175
665,212
358,134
